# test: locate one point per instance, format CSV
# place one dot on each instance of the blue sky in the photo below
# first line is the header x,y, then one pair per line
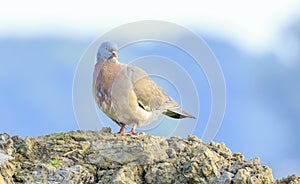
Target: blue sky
x,y
257,45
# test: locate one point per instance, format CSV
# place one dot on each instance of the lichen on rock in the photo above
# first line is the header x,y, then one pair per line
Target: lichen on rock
x,y
106,157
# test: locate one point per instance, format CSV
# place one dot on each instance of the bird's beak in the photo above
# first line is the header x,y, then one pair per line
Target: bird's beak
x,y
115,54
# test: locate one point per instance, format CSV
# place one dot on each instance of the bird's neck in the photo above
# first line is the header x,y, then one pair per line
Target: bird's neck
x,y
112,60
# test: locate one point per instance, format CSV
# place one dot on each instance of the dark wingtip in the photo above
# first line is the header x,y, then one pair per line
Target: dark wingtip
x,y
178,114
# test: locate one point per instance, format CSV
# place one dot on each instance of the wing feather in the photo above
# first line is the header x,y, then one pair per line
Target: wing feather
x,y
150,96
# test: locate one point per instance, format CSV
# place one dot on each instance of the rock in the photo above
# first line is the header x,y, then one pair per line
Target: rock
x,y
7,169
106,157
2,180
241,176
6,144
161,173
293,179
225,178
4,158
113,152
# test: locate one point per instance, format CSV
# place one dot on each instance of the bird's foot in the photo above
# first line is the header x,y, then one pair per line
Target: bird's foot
x,y
131,133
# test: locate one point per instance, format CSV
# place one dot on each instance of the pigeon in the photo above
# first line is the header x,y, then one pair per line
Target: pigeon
x,y
127,95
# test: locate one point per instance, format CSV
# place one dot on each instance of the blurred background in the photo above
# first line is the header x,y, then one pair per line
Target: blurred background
x,y
256,43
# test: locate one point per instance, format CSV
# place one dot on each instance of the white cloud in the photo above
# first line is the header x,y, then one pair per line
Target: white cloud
x,y
252,25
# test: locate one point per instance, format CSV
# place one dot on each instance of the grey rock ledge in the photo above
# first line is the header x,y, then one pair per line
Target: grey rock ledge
x,y
106,157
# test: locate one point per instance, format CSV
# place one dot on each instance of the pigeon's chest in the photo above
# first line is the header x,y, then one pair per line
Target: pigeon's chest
x,y
104,84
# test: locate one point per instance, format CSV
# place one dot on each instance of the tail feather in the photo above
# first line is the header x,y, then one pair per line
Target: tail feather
x,y
178,114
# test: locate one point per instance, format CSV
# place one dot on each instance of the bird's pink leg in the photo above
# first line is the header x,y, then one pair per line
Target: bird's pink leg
x,y
132,132
122,129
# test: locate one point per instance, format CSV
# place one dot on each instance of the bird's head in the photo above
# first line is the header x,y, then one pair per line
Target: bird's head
x,y
107,51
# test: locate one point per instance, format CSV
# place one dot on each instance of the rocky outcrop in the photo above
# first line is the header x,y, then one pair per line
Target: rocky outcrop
x,y
105,157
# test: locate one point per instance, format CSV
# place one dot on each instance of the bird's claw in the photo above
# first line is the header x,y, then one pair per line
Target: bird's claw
x,y
132,132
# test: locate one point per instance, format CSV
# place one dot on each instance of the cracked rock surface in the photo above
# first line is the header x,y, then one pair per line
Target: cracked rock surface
x,y
106,157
